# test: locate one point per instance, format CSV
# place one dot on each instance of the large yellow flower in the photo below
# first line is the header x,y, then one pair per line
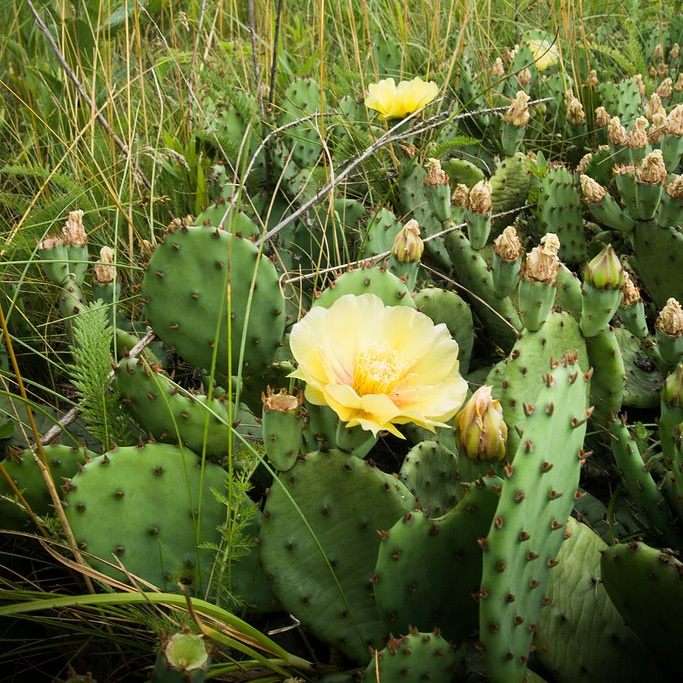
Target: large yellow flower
x,y
378,366
395,102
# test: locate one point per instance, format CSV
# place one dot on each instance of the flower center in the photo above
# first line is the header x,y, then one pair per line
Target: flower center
x,y
378,369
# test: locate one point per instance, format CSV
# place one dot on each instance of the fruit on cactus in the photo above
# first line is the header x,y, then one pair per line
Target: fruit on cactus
x,y
378,366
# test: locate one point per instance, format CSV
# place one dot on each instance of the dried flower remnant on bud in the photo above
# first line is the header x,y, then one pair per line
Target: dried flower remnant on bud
x,y
674,122
665,89
524,76
507,246
592,82
601,117
104,272
678,85
670,319
675,188
518,112
435,174
73,233
481,429
675,51
638,78
658,52
50,242
592,191
653,169
498,70
654,105
658,127
638,136
630,294
408,246
281,401
479,199
542,263
460,195
575,113
616,133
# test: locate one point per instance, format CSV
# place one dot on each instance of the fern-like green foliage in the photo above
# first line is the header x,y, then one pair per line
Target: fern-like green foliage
x,y
100,403
238,535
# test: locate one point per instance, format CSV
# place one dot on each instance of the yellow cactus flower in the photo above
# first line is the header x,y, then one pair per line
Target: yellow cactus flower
x,y
378,366
396,101
545,53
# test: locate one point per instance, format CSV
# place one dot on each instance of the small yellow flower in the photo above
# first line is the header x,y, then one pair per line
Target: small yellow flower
x,y
378,366
545,53
396,102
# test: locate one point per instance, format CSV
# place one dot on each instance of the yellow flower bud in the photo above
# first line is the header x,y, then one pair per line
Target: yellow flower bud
x,y
408,246
480,427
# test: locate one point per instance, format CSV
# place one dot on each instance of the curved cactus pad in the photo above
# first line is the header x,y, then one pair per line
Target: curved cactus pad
x,y
148,509
320,536
212,295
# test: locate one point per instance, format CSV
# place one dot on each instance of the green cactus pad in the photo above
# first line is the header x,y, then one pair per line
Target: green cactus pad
x,y
63,462
186,285
319,540
510,184
302,98
529,522
373,280
559,211
581,636
149,508
646,586
519,378
425,656
430,471
658,261
429,570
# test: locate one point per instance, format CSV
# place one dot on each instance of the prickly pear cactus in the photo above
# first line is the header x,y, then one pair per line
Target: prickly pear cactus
x,y
216,298
377,280
429,569
63,462
530,520
581,636
430,471
646,586
149,509
425,656
319,540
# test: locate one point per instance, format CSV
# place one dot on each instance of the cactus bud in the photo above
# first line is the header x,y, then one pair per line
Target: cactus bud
x,y
408,246
605,270
593,192
481,429
283,421
460,194
632,308
674,122
672,390
601,292
437,190
478,214
665,88
498,70
507,261
638,137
